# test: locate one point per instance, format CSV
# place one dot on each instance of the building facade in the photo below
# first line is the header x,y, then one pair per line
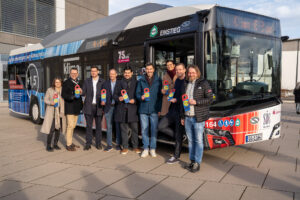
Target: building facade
x,y
290,66
25,22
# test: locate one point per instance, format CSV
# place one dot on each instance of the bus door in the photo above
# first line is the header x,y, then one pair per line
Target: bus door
x,y
179,49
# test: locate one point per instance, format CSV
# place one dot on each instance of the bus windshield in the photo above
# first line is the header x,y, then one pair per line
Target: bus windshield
x,y
241,66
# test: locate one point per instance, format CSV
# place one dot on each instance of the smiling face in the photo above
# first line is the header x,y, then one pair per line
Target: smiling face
x,y
57,83
170,66
192,74
112,75
128,74
74,74
150,71
180,71
94,72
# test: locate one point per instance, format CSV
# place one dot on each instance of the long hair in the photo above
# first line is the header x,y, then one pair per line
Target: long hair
x,y
193,67
54,80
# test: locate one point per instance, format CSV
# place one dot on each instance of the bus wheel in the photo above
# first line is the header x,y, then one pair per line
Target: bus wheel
x,y
35,112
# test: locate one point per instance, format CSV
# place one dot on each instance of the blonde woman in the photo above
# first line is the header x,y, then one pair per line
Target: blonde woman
x,y
54,120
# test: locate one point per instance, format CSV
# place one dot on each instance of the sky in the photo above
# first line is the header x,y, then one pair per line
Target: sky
x,y
287,11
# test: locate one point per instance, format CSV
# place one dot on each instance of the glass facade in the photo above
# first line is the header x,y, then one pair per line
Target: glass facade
x,y
34,18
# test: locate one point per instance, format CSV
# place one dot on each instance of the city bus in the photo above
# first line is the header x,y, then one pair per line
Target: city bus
x,y
238,52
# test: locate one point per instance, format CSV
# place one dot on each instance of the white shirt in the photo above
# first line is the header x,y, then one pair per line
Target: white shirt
x,y
190,93
95,89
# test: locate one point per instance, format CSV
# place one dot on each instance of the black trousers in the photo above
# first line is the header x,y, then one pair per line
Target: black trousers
x,y
165,126
54,132
125,127
89,127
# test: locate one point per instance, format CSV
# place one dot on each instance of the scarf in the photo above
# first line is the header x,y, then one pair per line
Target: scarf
x,y
171,73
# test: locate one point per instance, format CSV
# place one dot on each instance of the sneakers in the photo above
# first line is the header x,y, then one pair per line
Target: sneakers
x,y
108,149
193,167
124,151
145,153
152,153
172,160
137,150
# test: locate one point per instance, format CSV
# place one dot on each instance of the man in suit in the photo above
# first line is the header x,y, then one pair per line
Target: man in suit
x,y
109,108
92,108
126,113
73,106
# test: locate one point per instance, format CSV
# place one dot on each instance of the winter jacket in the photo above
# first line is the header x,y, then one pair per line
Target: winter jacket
x,y
125,112
73,105
154,104
203,96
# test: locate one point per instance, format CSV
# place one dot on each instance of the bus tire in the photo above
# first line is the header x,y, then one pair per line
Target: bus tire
x,y
35,112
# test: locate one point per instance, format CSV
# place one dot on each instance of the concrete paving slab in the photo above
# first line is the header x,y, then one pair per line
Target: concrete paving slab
x,y
133,185
281,163
170,189
247,176
258,193
37,172
36,192
283,180
9,187
64,157
66,176
77,195
176,169
210,172
289,152
98,180
213,190
108,197
19,166
90,158
297,196
116,161
144,164
264,148
249,158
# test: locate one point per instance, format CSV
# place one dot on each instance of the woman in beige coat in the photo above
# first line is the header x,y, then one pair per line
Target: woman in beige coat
x,y
54,120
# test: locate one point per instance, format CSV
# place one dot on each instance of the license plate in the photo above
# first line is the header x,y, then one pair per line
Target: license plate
x,y
253,138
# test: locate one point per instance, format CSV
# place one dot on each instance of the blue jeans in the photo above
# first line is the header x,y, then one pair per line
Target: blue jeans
x,y
145,129
109,123
194,131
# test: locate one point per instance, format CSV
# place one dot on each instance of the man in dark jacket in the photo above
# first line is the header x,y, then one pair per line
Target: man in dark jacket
x,y
126,113
109,109
172,119
200,97
150,107
73,106
92,108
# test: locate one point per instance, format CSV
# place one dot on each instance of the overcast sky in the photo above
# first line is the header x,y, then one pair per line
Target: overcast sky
x,y
287,11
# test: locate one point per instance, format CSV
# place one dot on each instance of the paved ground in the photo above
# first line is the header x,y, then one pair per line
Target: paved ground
x,y
266,170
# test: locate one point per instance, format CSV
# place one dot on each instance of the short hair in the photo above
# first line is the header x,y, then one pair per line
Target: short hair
x,y
54,80
74,68
149,64
127,68
95,67
113,69
172,61
196,68
182,64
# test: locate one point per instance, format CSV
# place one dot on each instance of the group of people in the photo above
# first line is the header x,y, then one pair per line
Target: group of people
x,y
175,105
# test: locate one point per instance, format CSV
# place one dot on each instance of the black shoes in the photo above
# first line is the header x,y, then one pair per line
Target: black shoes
x,y
49,149
56,147
99,146
193,167
87,147
108,149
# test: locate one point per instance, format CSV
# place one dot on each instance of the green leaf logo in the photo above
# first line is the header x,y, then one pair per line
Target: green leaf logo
x,y
153,31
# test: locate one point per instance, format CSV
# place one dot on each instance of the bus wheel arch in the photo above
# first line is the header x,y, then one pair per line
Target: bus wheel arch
x,y
35,110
